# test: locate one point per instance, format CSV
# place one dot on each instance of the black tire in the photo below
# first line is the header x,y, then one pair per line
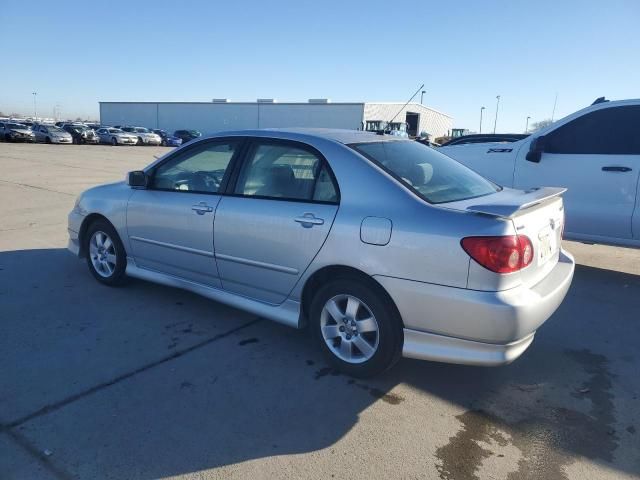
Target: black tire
x,y
163,143
47,140
140,141
114,142
390,334
117,277
7,138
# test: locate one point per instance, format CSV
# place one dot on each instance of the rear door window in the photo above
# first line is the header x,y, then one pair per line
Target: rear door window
x,y
285,171
428,173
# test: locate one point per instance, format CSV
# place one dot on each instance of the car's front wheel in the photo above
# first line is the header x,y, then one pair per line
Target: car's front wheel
x,y
114,142
358,330
105,253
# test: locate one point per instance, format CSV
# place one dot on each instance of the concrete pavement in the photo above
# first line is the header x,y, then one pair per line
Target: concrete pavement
x,y
148,382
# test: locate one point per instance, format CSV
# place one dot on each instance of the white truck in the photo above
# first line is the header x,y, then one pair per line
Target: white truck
x,y
594,153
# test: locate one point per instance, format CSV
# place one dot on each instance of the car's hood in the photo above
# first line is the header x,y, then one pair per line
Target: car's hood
x,y
23,131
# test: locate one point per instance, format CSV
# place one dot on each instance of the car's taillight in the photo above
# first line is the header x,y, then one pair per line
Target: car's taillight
x,y
500,254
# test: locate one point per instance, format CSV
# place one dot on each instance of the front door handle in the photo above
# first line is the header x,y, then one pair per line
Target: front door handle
x,y
308,220
201,208
616,169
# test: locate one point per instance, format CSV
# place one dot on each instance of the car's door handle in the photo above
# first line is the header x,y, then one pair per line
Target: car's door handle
x,y
308,220
201,208
614,168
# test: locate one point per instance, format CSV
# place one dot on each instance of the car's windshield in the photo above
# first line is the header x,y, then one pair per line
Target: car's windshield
x,y
432,175
53,128
141,130
194,133
115,130
17,125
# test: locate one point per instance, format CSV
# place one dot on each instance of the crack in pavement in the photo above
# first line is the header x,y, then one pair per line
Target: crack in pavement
x,y
66,401
37,188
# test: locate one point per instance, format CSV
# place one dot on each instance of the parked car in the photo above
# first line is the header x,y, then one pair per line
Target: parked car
x,y
115,136
187,135
51,134
168,140
439,264
594,152
16,132
486,138
144,135
81,134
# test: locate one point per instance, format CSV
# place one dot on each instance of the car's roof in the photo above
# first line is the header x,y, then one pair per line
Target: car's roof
x,y
337,135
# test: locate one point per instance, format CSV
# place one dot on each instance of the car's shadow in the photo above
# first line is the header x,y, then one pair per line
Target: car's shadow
x,y
147,382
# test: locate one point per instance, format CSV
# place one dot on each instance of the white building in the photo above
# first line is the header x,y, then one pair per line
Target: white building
x,y
220,115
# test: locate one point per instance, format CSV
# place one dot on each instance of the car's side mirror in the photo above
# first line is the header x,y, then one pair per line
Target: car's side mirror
x,y
137,178
536,149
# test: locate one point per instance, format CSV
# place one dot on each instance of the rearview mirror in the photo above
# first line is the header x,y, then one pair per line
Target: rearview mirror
x,y
137,178
535,150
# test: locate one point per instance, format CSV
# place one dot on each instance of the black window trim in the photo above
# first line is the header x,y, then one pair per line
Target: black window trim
x,y
237,155
251,145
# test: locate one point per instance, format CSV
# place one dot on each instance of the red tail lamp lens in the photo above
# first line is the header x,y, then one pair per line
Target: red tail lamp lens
x,y
505,254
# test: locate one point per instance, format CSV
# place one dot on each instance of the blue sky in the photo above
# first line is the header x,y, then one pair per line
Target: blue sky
x,y
75,54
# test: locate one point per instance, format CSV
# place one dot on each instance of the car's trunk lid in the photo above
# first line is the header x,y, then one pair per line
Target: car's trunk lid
x,y
536,213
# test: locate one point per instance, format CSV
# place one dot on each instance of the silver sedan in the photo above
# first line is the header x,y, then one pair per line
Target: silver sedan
x,y
382,246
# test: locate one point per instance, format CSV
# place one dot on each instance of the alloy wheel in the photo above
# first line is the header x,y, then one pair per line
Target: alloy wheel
x,y
349,329
102,253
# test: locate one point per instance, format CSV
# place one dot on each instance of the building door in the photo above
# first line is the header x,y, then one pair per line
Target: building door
x,y
413,121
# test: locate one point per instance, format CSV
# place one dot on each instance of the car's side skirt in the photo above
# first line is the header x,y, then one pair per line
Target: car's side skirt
x,y
287,313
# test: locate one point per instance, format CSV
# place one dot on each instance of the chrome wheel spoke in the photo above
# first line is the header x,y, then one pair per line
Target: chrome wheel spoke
x,y
345,349
330,331
368,324
365,348
334,311
107,243
353,304
111,258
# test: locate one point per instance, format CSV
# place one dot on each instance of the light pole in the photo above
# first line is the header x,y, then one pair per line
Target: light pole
x,y
422,95
481,109
526,126
495,122
35,106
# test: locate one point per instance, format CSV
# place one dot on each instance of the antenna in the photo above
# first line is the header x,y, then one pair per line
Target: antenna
x,y
407,103
553,112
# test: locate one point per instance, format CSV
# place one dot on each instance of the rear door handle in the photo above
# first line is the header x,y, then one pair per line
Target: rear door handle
x,y
201,208
614,168
308,220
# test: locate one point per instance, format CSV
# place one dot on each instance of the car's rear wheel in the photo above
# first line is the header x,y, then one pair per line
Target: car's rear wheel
x,y
105,253
163,143
47,140
114,142
7,138
356,328
140,141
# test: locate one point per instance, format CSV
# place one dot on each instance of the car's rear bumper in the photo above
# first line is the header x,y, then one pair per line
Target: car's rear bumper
x,y
440,348
468,326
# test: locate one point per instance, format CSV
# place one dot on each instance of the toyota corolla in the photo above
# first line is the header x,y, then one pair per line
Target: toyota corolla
x,y
382,246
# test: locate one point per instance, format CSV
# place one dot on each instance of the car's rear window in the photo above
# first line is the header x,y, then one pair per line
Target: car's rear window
x,y
432,175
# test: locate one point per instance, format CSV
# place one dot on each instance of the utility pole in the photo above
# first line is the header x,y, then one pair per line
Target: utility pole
x,y
526,125
35,106
481,109
495,122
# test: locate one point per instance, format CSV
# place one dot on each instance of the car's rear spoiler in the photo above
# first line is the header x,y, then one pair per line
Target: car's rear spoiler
x,y
517,201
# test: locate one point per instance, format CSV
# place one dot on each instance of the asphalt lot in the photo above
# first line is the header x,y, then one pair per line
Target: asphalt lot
x,y
144,381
